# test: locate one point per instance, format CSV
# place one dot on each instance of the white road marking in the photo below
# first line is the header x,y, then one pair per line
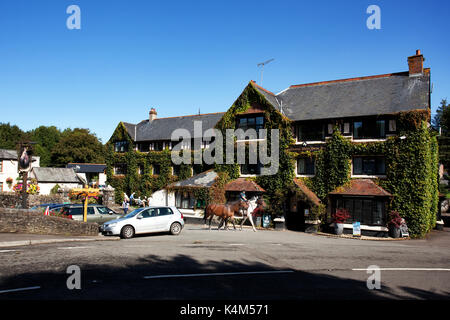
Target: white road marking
x,y
236,244
69,248
2,251
214,274
405,269
19,289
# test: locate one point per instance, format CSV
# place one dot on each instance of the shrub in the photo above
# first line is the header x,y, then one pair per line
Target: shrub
x,y
394,219
340,215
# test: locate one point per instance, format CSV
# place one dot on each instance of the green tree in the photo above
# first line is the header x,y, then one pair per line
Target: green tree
x,y
77,145
442,120
46,139
10,135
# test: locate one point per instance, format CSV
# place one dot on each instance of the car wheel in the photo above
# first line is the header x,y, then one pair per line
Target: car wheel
x,y
175,228
127,232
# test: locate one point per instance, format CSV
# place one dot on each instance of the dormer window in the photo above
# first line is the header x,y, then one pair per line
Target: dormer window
x,y
121,146
255,122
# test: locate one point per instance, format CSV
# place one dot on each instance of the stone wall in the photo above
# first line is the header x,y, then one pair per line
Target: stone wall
x,y
13,200
33,221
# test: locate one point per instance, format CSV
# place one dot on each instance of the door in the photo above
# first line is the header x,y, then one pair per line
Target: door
x,y
145,221
162,219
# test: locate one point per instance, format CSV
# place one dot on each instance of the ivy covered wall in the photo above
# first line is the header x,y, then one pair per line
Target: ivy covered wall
x,y
277,184
411,164
411,169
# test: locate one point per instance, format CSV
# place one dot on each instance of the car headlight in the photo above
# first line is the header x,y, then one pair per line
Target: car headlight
x,y
110,224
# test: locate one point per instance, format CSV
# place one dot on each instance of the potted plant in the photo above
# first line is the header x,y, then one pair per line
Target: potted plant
x,y
9,182
394,223
339,218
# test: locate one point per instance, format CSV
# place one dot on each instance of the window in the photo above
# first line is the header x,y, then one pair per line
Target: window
x,y
184,200
120,168
311,132
176,170
251,169
76,211
121,146
305,166
392,126
1,186
158,146
156,169
164,211
141,169
1,165
251,122
364,210
103,210
369,129
369,165
144,146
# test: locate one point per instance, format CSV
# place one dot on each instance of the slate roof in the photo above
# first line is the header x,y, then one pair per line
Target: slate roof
x,y
162,128
361,187
87,167
363,96
204,179
8,154
63,175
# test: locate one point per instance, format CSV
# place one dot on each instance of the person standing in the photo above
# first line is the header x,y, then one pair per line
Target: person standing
x,y
125,206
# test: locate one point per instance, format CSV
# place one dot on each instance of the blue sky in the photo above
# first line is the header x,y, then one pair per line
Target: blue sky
x,y
182,56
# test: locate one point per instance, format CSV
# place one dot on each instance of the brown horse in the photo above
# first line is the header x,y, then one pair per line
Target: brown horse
x,y
224,211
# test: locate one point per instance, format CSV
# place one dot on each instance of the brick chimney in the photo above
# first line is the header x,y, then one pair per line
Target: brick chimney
x,y
415,64
152,114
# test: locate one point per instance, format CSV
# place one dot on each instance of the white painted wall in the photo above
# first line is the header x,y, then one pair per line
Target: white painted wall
x,y
164,198
9,170
45,187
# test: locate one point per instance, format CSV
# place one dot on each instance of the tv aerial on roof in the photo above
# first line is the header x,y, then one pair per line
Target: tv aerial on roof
x,y
262,64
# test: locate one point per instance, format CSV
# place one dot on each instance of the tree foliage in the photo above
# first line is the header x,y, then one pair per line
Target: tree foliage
x,y
77,145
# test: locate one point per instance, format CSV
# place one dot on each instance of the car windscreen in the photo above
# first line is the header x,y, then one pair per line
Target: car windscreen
x,y
133,213
103,210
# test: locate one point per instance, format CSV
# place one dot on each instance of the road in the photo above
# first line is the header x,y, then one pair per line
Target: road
x,y
202,264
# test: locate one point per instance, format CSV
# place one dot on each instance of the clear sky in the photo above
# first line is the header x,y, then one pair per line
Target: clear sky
x,y
182,56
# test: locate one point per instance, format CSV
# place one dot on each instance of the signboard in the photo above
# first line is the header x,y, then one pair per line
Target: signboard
x,y
266,221
357,229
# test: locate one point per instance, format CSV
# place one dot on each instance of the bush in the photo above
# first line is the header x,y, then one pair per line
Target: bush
x,y
340,215
394,219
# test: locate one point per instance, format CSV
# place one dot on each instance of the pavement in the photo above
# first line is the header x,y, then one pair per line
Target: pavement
x,y
23,239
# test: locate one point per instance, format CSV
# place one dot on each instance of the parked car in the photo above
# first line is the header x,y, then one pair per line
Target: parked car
x,y
145,220
95,213
49,205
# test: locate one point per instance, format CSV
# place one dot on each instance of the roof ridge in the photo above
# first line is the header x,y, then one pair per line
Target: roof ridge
x,y
349,79
188,115
270,92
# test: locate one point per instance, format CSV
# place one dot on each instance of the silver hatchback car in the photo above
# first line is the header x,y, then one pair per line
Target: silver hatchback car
x,y
145,220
